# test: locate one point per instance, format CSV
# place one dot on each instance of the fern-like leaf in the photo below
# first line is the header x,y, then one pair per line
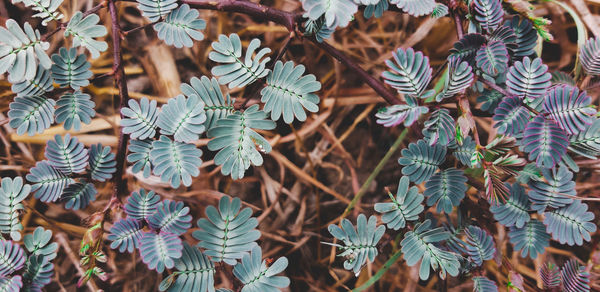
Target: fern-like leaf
x,y
514,212
335,12
550,275
67,154
256,276
531,239
170,216
175,162
102,162
12,257
216,107
360,244
73,109
488,13
46,9
38,243
574,277
420,160
12,193
125,234
140,119
526,36
495,190
545,142
139,154
483,284
155,9
418,245
479,245
458,78
181,27
376,10
528,79
40,84
440,128
446,189
410,71
589,56
21,49
160,250
11,284
183,118
31,114
415,7
70,69
79,195
235,139
396,114
288,93
467,47
141,204
555,192
195,272
492,58
84,30
406,206
48,182
318,29
227,233
38,273
490,100
587,142
571,224
465,151
511,116
569,108
235,71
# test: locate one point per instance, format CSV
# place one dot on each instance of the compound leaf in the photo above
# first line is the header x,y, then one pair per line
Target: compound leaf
x,y
180,27
175,162
406,206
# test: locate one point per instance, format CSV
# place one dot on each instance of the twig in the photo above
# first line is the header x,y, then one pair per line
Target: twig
x,y
459,28
127,32
61,239
121,82
363,189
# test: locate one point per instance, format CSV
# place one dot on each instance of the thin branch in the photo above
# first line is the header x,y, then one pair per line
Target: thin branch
x,y
121,82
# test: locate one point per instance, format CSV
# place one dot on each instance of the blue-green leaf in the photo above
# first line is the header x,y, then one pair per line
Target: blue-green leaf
x,y
48,182
256,276
70,69
183,118
287,93
67,154
140,119
531,239
406,206
102,162
125,234
227,233
235,139
446,189
180,27
84,30
410,71
421,160
21,49
79,195
12,193
73,109
31,114
175,162
571,224
235,71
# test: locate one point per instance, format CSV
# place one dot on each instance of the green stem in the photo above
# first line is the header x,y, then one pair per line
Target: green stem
x,y
379,273
376,171
581,34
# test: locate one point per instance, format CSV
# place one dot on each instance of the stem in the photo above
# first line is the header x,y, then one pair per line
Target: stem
x,y
121,81
373,175
459,28
379,273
